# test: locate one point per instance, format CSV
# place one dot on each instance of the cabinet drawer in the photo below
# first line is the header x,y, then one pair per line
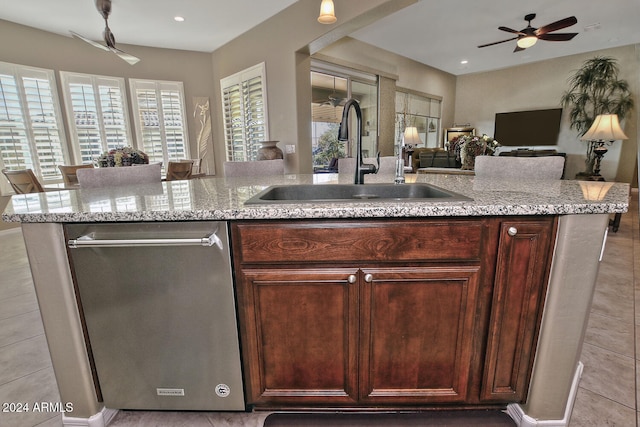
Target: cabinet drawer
x,y
321,241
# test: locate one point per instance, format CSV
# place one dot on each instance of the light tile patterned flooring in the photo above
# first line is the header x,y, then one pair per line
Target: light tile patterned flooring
x,y
607,394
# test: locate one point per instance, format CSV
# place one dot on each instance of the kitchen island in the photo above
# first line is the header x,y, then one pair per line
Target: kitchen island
x,y
575,215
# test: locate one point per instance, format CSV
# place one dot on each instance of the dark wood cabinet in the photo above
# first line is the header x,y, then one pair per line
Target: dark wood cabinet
x,y
524,259
300,330
416,334
389,313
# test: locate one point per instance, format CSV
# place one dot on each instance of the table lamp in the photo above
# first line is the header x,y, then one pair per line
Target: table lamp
x,y
604,131
411,139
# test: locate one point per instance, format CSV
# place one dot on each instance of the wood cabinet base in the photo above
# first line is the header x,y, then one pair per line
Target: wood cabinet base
x,y
397,314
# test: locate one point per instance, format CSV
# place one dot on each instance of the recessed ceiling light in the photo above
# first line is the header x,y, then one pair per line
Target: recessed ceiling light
x,y
178,18
464,61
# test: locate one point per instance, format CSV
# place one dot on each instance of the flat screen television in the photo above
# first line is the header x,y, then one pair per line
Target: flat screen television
x,y
528,128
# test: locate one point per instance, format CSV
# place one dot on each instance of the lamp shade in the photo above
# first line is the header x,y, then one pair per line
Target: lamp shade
x,y
327,12
605,127
411,136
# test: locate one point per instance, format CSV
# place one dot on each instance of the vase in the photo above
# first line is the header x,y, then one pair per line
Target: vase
x,y
269,151
469,163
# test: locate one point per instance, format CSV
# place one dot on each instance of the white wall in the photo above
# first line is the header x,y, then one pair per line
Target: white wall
x,y
37,48
471,98
407,74
285,43
541,85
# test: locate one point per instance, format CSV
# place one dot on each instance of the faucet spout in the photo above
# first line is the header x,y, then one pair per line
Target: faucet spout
x,y
343,135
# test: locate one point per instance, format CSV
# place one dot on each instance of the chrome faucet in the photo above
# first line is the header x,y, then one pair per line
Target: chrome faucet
x,y
343,135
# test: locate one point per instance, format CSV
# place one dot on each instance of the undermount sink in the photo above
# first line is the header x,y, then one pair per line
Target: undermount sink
x,y
352,193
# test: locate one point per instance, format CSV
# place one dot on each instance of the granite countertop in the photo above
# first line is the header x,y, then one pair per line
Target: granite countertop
x,y
223,199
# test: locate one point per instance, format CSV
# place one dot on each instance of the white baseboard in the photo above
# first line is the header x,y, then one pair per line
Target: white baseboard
x,y
101,419
516,412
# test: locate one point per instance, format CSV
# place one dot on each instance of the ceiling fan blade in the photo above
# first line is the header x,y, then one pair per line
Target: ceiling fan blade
x,y
91,42
502,41
132,60
557,37
510,30
558,25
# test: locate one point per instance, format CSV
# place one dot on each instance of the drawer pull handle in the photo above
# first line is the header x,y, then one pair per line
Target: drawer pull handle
x,y
352,278
512,231
368,278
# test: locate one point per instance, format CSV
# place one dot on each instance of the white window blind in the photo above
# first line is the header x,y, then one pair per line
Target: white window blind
x,y
244,102
161,125
30,129
97,113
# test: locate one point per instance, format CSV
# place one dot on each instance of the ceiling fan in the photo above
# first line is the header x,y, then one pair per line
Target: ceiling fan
x,y
104,7
527,37
332,99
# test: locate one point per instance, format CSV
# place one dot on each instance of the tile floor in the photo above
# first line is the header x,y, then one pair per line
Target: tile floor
x,y
607,395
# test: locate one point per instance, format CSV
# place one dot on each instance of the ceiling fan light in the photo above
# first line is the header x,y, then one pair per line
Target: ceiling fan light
x,y
525,42
327,12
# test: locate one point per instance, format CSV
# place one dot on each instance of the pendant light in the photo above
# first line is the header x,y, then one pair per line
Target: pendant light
x,y
327,12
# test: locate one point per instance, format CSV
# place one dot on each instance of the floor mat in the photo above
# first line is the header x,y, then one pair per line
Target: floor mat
x,y
432,418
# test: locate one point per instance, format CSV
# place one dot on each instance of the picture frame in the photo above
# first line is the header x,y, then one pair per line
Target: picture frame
x,y
452,133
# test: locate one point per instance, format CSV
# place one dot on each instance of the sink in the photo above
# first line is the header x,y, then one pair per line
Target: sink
x,y
353,193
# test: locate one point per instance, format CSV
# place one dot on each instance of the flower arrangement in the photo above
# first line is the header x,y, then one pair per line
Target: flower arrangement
x,y
122,156
467,147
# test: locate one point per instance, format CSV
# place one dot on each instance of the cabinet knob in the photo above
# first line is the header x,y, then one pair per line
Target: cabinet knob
x,y
352,278
512,231
368,278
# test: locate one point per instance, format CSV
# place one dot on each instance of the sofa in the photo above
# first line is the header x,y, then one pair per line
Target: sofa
x,y
433,158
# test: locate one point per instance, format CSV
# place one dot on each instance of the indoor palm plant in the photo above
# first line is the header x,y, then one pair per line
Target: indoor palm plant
x,y
596,89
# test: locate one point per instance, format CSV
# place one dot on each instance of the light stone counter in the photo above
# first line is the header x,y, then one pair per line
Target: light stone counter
x,y
583,209
223,199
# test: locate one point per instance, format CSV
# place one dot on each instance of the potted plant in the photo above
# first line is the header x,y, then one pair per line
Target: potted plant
x,y
595,89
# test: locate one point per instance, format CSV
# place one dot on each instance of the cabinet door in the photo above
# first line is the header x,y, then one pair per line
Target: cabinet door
x,y
522,272
418,328
299,335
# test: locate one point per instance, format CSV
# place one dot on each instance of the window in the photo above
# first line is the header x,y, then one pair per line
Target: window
x,y
31,133
244,103
161,126
98,118
423,112
331,87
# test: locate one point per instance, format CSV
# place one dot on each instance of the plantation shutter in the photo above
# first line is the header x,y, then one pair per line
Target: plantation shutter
x,y
161,125
30,128
245,113
97,114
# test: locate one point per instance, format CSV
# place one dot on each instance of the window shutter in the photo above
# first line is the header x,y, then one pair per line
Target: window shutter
x,y
161,124
254,115
44,126
30,131
174,125
97,114
14,143
245,113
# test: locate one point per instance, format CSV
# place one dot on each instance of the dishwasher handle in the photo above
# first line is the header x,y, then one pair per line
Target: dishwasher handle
x,y
89,241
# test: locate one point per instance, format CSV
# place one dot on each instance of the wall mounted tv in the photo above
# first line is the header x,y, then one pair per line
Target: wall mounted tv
x,y
528,128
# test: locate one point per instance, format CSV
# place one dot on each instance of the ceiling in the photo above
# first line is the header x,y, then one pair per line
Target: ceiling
x,y
444,33
437,33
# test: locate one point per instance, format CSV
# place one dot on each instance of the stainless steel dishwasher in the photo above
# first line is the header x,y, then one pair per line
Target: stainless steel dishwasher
x,y
159,307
